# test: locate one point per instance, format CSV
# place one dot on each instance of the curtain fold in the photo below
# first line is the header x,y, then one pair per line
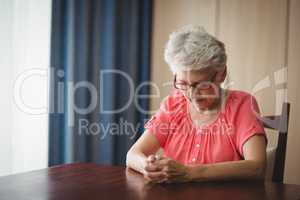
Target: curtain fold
x,y
100,55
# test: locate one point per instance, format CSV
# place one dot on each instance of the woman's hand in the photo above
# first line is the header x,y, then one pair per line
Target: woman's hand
x,y
152,172
174,171
164,169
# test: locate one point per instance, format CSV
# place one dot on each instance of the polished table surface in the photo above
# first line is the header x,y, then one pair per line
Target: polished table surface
x,y
90,181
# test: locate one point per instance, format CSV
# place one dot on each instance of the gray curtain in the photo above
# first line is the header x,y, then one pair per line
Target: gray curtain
x,y
89,40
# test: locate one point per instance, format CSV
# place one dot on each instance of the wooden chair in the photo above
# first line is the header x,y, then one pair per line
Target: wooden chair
x,y
280,124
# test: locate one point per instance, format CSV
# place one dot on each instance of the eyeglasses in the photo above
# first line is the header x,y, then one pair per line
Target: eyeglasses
x,y
201,85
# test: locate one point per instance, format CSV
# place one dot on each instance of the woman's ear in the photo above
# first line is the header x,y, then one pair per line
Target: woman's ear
x,y
221,75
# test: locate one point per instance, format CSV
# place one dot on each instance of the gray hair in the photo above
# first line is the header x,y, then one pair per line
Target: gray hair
x,y
191,48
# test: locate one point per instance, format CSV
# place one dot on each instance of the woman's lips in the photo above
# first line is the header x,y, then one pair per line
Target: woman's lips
x,y
200,100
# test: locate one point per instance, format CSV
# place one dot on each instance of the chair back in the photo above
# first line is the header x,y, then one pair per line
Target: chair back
x,y
280,124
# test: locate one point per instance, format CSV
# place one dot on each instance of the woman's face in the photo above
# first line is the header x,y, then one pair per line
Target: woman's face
x,y
200,87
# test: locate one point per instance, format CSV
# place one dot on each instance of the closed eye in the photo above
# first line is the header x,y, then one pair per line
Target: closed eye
x,y
182,82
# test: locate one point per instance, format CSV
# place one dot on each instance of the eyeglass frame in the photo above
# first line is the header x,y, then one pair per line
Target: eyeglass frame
x,y
194,85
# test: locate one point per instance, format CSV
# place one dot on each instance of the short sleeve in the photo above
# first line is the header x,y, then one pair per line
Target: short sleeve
x,y
247,122
159,123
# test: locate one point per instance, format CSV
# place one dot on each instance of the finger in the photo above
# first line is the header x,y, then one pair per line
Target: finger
x,y
154,181
151,158
151,168
163,180
176,179
170,170
155,176
159,157
164,157
163,162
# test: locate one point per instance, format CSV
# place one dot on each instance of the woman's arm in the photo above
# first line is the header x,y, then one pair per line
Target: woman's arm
x,y
253,167
137,155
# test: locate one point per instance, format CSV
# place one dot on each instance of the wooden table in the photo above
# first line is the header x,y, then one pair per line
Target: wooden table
x,y
90,181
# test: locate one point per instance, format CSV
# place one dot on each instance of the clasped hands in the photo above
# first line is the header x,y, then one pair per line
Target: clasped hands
x,y
161,169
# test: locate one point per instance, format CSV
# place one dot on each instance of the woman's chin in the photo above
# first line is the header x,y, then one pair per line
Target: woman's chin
x,y
202,104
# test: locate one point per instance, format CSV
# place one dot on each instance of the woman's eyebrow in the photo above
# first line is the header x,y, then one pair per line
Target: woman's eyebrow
x,y
193,82
182,81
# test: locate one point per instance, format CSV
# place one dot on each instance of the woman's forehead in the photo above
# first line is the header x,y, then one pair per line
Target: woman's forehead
x,y
194,75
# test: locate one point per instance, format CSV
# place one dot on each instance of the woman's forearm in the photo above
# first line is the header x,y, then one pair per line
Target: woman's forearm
x,y
245,169
136,160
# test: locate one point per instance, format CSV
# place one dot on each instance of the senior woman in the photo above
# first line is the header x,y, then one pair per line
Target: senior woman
x,y
208,133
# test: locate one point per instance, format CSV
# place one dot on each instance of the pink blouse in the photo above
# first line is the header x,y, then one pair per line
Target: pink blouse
x,y
219,141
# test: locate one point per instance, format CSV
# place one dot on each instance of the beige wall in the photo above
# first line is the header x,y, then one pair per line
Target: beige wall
x,y
261,40
293,155
168,16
